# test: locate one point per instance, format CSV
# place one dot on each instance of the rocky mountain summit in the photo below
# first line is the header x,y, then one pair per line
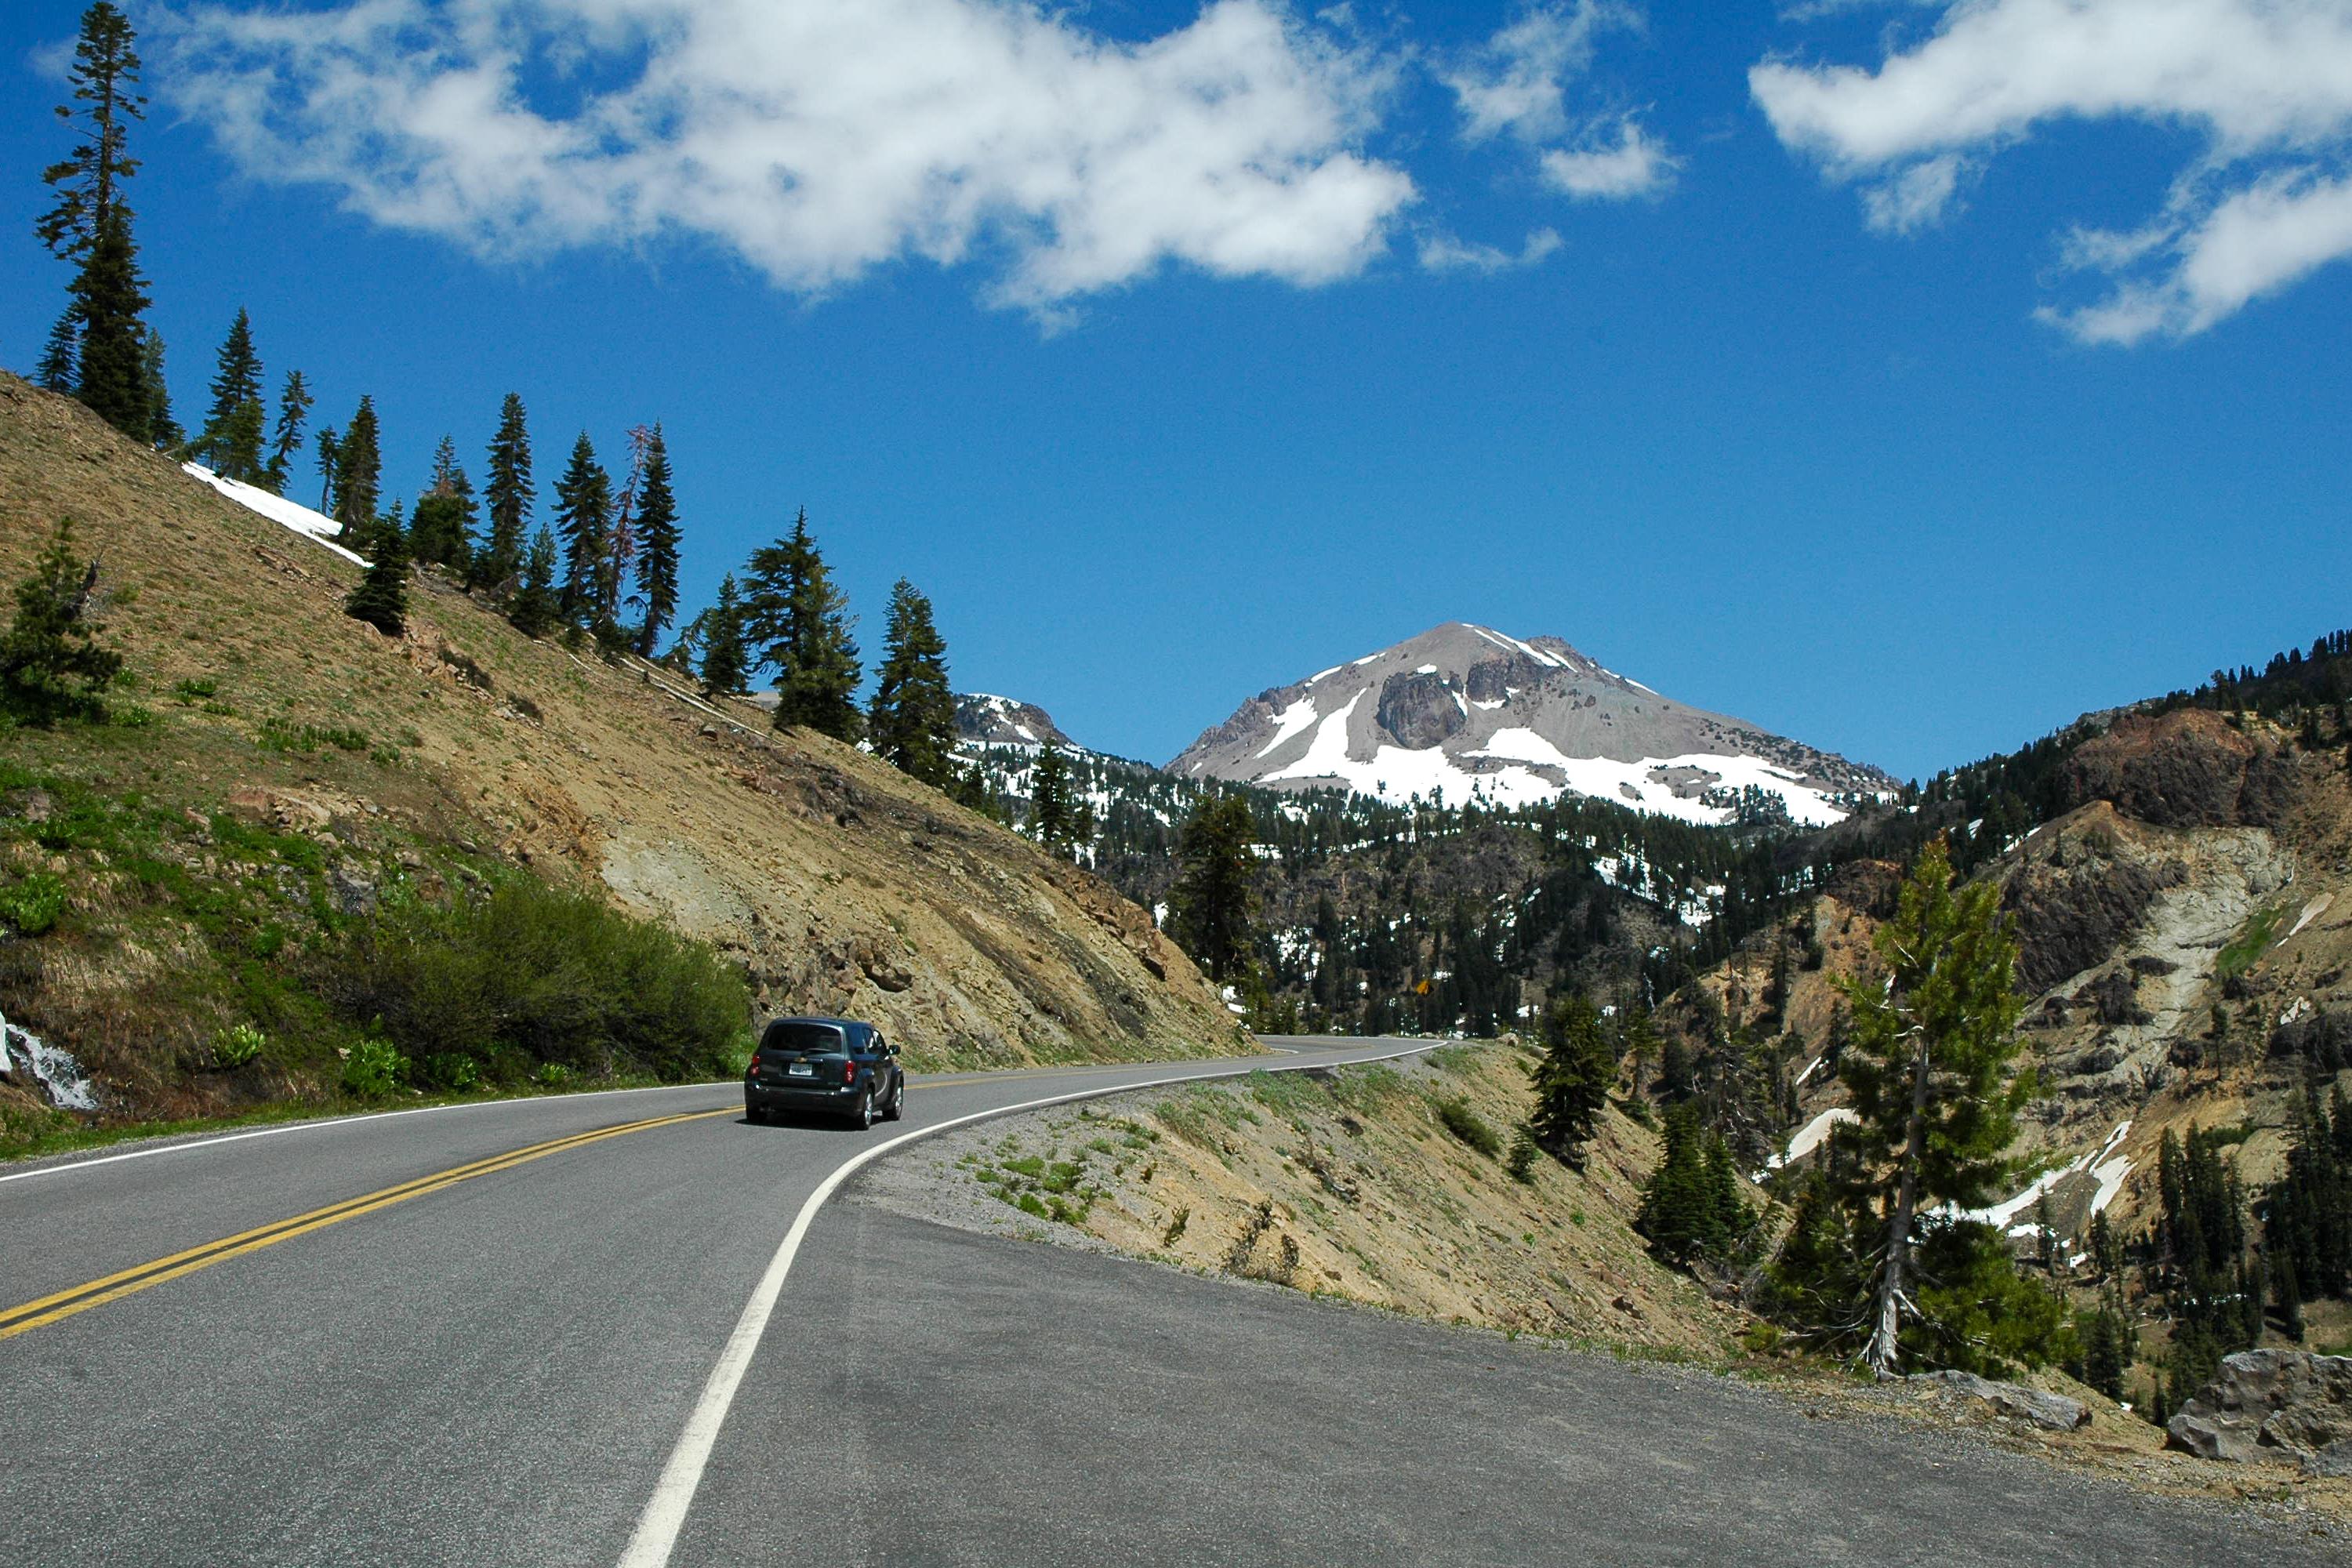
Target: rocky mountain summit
x,y
1482,715
983,719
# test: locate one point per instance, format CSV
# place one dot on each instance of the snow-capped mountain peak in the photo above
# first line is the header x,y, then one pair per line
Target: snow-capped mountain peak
x,y
1478,714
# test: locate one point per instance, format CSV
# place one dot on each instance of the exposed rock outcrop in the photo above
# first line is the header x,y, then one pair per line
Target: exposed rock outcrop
x,y
2279,1405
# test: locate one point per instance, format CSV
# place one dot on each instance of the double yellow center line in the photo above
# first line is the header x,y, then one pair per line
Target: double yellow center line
x,y
16,1321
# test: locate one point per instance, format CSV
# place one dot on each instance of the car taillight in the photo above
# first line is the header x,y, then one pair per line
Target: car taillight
x,y
849,1070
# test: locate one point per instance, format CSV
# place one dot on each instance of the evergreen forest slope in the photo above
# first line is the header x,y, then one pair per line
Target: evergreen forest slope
x,y
281,774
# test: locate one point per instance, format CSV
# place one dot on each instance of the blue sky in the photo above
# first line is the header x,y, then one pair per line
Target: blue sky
x,y
1875,373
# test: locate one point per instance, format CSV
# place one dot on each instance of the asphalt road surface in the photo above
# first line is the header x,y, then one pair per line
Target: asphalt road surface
x,y
490,1334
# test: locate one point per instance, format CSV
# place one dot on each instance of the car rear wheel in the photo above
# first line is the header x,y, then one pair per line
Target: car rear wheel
x,y
863,1117
897,1106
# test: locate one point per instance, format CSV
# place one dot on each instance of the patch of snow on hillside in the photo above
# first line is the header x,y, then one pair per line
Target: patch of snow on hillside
x,y
1292,721
1426,670
1810,1136
1327,753
2108,1174
1488,706
314,526
2312,911
1323,674
1505,640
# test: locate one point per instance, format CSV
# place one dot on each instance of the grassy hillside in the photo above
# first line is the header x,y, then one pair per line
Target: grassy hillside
x,y
283,787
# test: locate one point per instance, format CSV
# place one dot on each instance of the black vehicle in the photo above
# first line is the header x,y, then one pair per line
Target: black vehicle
x,y
835,1067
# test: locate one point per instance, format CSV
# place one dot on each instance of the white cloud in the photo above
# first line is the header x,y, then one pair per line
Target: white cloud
x,y
1444,253
821,139
2265,85
1517,83
1915,198
1518,80
1632,165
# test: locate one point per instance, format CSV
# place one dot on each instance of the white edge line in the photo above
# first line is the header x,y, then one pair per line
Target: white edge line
x,y
665,1513
326,1123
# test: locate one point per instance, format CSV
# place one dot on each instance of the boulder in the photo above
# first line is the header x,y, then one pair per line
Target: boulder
x,y
2271,1404
2052,1412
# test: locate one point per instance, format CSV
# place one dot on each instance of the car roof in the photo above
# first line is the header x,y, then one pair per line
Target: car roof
x,y
849,1024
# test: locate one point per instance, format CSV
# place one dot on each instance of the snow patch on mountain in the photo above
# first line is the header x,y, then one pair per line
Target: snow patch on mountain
x,y
315,526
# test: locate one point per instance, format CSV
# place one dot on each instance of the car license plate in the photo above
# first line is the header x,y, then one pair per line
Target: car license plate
x,y
802,1069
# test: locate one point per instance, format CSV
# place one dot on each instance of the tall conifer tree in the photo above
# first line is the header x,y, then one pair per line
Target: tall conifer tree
x,y
508,498
90,224
441,529
231,442
1212,907
657,542
358,477
60,369
584,520
294,402
800,624
109,295
162,430
725,664
534,608
1928,1069
912,722
330,452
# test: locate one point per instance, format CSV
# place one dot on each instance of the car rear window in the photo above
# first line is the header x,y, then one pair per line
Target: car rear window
x,y
800,1037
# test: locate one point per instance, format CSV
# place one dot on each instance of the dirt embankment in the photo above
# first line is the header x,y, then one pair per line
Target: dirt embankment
x,y
838,883
1347,1183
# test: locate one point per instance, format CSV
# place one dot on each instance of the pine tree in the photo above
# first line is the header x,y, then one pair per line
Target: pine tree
x,y
1679,1213
231,441
2104,1354
380,599
584,521
508,498
90,224
1641,1043
358,473
534,607
656,545
51,664
912,722
61,368
1928,1069
294,402
330,452
108,296
800,624
163,431
1572,1080
1059,815
441,531
1212,907
725,663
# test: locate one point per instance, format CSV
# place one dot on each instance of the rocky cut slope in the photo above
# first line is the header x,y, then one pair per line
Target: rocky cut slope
x,y
1475,713
838,883
2183,948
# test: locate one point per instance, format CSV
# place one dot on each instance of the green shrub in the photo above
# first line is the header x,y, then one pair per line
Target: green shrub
x,y
31,905
453,1070
555,974
551,1074
1470,1127
233,1047
190,692
374,1070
